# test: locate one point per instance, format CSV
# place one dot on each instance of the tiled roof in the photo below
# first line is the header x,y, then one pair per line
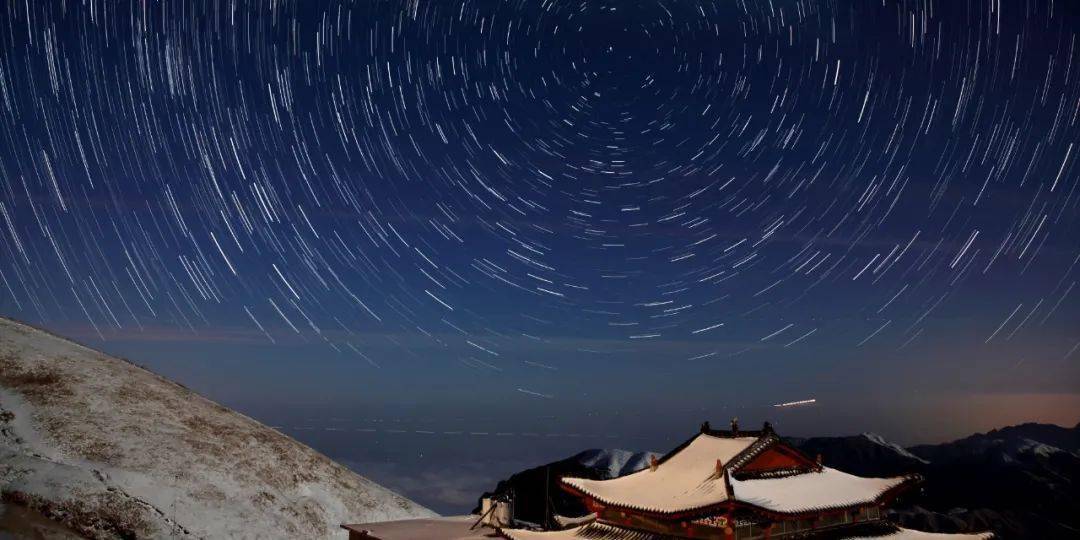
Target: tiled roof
x,y
685,479
812,491
603,531
908,534
592,531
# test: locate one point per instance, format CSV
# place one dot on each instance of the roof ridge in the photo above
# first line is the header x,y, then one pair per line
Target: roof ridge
x,y
660,460
694,485
765,440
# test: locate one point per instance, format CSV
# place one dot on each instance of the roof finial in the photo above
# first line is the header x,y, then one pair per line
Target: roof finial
x,y
705,427
653,463
734,427
767,428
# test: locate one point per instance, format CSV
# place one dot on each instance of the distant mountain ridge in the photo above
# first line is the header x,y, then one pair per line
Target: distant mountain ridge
x,y
1020,481
1023,481
614,463
867,454
111,450
1049,435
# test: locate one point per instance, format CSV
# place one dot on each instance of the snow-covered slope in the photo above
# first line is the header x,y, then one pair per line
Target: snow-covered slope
x,y
112,450
878,439
615,462
868,454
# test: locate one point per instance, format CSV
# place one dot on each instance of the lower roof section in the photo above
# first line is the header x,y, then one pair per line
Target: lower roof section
x,y
686,479
604,531
592,531
815,491
909,534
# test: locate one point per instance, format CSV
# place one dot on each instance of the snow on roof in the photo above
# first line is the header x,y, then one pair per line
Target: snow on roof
x,y
592,531
604,531
812,491
567,522
909,534
686,480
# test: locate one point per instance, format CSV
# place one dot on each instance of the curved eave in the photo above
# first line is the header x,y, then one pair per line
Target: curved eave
x,y
764,439
882,498
580,492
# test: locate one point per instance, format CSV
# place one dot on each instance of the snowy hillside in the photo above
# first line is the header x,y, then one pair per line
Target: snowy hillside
x,y
112,450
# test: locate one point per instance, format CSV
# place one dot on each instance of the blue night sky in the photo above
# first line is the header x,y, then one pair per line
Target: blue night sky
x,y
441,240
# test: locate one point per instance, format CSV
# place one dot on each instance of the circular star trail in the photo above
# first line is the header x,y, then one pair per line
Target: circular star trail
x,y
455,178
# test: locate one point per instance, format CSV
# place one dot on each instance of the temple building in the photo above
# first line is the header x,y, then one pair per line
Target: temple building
x,y
735,485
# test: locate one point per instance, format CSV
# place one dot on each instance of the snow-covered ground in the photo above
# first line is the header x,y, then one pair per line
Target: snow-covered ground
x,y
109,449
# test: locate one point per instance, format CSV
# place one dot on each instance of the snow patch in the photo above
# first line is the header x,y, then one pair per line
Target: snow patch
x,y
879,440
616,462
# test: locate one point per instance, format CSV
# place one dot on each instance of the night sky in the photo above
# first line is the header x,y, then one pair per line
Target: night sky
x,y
399,229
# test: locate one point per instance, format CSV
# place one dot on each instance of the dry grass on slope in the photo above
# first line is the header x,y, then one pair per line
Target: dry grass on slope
x,y
178,452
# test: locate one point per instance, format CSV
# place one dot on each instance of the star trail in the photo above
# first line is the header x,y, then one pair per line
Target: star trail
x,y
518,188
